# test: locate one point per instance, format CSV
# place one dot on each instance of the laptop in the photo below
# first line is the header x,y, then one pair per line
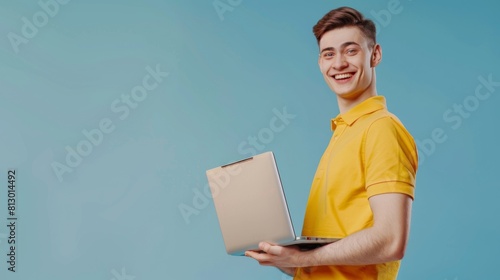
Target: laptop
x,y
251,206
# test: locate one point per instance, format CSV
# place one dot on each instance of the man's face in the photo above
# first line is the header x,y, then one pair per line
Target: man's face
x,y
347,61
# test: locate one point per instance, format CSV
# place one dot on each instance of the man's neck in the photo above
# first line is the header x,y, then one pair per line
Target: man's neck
x,y
346,104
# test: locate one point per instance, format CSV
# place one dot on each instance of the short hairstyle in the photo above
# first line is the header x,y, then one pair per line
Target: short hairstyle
x,y
345,17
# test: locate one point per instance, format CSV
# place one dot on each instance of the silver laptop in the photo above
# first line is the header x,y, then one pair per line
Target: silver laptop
x,y
251,206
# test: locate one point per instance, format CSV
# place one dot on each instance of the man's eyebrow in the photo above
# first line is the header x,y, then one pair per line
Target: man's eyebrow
x,y
327,49
341,46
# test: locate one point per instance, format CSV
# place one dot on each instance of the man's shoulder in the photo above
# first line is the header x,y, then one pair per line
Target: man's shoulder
x,y
386,121
382,118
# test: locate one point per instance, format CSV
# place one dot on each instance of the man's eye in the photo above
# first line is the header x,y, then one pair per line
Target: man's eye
x,y
328,55
352,51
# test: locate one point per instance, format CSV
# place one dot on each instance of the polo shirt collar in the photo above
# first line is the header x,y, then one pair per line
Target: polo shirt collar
x,y
366,107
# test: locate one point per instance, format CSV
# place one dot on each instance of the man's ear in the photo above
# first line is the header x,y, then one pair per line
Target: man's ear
x,y
376,55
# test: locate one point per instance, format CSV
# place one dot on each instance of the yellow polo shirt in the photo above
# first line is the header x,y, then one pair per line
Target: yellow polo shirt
x,y
369,153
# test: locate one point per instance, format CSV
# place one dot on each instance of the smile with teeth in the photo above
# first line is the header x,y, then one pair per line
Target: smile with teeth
x,y
343,76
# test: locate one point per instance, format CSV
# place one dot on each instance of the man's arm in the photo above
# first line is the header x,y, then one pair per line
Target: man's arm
x,y
383,242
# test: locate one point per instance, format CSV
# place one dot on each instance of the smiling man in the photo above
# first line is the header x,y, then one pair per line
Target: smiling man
x,y
364,185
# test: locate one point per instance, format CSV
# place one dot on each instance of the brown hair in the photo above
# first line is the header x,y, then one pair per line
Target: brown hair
x,y
345,17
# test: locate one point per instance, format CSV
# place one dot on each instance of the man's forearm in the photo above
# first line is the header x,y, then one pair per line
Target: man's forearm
x,y
369,246
385,241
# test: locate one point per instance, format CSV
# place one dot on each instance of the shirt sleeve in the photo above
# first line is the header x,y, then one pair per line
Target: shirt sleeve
x,y
391,158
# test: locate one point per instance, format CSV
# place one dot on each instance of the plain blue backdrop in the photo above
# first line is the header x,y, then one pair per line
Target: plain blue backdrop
x,y
115,211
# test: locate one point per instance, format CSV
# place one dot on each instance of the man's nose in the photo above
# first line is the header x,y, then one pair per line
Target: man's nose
x,y
339,62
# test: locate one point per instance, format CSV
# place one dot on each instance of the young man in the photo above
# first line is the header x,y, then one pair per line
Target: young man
x,y
364,185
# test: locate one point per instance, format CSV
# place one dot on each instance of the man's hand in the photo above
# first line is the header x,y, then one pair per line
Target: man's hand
x,y
278,256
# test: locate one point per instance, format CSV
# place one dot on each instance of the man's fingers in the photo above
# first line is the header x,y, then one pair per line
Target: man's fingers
x,y
275,250
270,249
264,246
262,258
256,255
251,254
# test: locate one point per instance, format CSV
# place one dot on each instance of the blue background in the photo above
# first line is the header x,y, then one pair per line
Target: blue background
x,y
117,214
